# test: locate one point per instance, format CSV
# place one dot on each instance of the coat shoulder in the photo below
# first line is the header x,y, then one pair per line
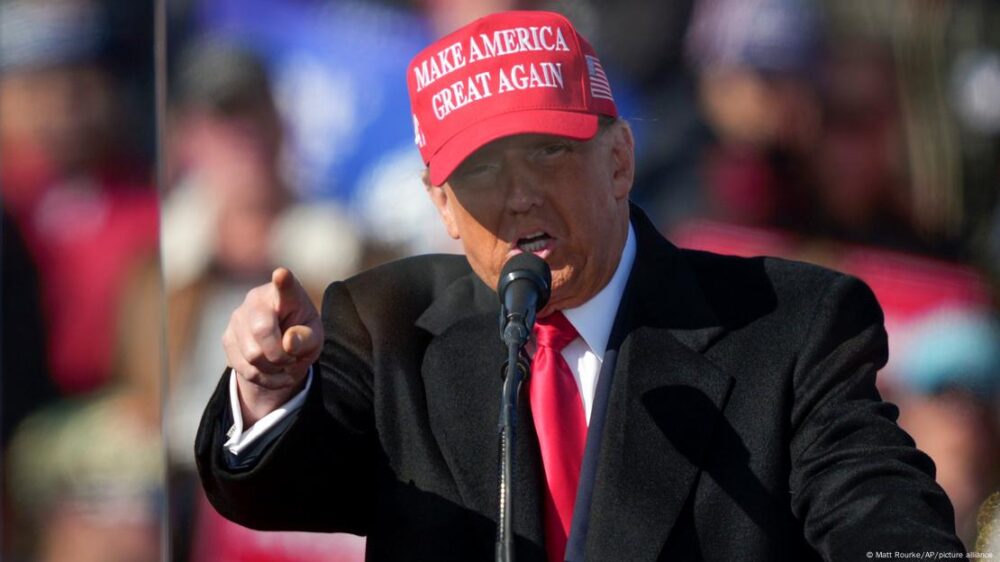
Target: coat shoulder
x,y
732,283
711,266
400,291
414,276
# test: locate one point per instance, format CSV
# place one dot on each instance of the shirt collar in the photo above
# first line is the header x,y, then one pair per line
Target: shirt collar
x,y
593,319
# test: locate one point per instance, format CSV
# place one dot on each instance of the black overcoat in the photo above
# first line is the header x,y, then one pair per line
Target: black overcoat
x,y
742,422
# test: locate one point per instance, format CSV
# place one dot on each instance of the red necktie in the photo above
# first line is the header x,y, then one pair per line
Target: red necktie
x,y
561,426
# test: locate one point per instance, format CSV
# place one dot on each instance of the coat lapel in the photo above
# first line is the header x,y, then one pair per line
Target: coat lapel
x,y
662,404
462,375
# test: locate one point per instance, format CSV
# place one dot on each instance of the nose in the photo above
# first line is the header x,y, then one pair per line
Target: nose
x,y
523,189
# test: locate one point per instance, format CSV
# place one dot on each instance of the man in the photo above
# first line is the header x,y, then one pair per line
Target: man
x,y
716,408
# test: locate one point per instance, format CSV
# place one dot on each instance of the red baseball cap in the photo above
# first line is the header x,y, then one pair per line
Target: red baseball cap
x,y
504,74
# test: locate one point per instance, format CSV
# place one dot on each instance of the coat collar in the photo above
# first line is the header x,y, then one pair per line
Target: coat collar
x,y
464,298
663,292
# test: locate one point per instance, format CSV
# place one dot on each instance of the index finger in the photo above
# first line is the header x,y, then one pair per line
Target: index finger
x,y
292,303
285,283
289,295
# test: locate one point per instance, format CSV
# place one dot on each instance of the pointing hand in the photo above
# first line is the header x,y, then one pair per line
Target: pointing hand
x,y
271,340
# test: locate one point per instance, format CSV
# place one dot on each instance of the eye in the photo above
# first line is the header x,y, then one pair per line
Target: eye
x,y
481,169
475,169
474,177
478,174
553,149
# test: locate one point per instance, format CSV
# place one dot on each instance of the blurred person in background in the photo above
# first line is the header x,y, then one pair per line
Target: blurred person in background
x,y
85,474
230,217
756,64
860,190
810,139
946,380
83,203
334,68
74,185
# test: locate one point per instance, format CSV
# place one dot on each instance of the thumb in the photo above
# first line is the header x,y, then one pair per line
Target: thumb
x,y
300,342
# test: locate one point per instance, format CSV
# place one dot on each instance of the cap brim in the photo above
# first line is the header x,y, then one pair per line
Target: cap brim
x,y
569,124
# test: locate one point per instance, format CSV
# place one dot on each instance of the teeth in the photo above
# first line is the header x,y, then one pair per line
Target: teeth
x,y
534,246
533,242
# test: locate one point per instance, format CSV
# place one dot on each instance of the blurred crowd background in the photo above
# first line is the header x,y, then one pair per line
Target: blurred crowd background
x,y
863,136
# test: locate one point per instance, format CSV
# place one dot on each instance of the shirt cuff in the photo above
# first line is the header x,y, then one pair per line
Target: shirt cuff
x,y
239,439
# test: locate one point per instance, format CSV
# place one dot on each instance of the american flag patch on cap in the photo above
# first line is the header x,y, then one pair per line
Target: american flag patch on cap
x,y
599,85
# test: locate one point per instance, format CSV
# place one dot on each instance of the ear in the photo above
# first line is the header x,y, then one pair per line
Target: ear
x,y
623,158
442,200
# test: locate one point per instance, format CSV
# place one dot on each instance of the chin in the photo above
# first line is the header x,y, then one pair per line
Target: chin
x,y
556,301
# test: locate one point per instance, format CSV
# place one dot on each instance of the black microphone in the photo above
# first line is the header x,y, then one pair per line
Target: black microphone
x,y
524,288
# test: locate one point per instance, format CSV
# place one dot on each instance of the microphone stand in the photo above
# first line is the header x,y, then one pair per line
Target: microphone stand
x,y
524,287
514,371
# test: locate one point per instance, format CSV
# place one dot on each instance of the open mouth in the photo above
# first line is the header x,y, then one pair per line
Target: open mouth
x,y
535,242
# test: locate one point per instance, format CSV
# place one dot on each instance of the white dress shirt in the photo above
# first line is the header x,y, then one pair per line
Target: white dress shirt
x,y
593,320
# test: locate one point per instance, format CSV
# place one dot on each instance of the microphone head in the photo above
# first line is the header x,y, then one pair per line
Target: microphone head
x,y
528,267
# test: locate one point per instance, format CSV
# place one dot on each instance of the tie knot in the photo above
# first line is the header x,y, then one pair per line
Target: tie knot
x,y
554,331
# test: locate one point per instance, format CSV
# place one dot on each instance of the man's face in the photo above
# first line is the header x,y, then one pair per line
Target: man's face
x,y
565,201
